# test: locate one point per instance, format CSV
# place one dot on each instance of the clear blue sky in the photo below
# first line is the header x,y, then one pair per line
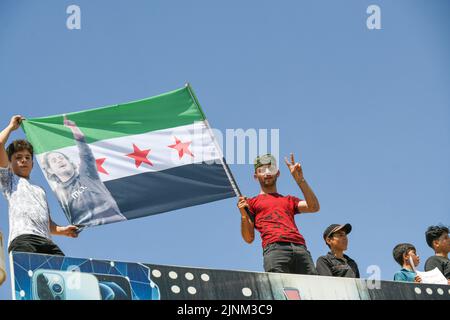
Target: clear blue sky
x,y
366,111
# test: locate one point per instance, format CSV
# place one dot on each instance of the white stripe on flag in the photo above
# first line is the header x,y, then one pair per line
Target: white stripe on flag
x,y
117,164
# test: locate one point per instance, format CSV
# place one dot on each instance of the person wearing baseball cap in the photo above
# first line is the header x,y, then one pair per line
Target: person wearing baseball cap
x,y
335,263
272,214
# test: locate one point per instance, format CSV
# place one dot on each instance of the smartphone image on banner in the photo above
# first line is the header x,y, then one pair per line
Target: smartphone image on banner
x,y
114,287
64,285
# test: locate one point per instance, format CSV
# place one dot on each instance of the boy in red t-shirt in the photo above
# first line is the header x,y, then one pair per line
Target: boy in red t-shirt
x,y
273,216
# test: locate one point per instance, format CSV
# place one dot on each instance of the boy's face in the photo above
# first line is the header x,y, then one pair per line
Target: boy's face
x,y
415,258
338,241
267,175
22,163
59,165
442,244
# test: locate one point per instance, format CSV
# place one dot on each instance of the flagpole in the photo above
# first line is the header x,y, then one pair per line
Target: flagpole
x,y
225,166
230,176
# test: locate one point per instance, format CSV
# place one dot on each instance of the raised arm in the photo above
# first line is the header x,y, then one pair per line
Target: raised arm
x,y
14,124
310,204
77,134
247,226
87,159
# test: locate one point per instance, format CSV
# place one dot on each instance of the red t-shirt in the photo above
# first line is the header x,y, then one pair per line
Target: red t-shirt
x,y
274,218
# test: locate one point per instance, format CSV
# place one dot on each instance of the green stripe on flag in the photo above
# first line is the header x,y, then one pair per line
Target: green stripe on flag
x,y
169,110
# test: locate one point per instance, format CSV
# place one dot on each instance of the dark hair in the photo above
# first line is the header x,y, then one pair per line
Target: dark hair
x,y
400,250
19,145
45,158
434,233
46,164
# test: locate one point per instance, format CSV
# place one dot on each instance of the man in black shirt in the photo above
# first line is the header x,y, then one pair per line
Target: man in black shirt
x,y
336,263
437,238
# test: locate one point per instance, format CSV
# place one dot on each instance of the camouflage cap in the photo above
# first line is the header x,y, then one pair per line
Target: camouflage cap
x,y
265,160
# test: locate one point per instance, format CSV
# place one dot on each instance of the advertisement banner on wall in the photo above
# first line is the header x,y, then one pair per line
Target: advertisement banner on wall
x,y
45,277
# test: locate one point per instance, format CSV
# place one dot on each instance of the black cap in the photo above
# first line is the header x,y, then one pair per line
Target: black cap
x,y
336,227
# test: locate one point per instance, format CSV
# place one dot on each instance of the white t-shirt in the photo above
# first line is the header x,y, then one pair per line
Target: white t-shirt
x,y
27,206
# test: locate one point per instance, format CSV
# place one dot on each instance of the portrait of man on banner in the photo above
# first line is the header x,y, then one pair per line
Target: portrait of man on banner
x,y
83,196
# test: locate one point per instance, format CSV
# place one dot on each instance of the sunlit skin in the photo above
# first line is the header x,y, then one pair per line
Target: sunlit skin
x,y
267,180
338,243
442,245
415,258
22,163
407,264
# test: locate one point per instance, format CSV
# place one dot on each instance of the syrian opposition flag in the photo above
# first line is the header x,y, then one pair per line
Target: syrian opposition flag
x,y
131,160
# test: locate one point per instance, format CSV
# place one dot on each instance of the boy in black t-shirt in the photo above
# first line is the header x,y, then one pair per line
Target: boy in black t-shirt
x,y
438,239
335,263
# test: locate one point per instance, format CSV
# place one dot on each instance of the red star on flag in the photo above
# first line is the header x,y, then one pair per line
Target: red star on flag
x,y
139,156
181,147
99,163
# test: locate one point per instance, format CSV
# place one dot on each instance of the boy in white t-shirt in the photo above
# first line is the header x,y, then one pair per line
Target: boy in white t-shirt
x,y
30,225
